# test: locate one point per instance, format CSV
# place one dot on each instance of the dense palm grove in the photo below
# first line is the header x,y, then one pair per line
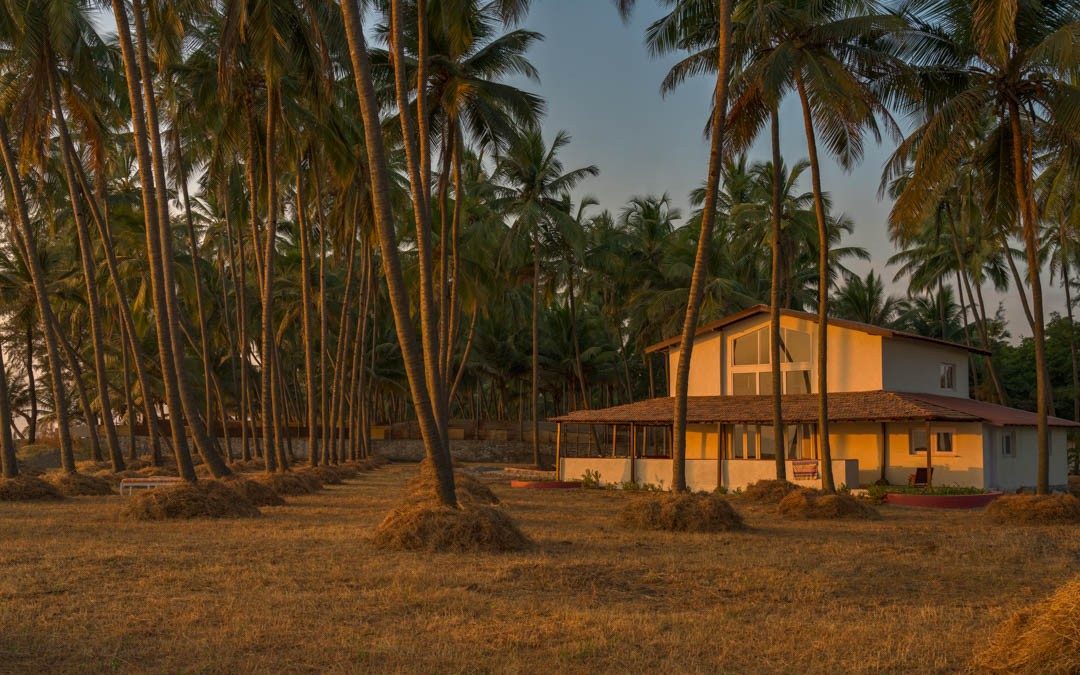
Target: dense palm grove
x,y
219,224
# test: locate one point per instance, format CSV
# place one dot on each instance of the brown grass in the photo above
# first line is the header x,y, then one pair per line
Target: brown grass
x,y
768,491
1034,509
1041,639
259,494
79,484
813,505
205,499
304,589
676,512
424,525
24,488
289,482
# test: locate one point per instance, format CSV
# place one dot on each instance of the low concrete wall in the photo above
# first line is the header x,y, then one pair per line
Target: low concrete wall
x,y
701,474
511,452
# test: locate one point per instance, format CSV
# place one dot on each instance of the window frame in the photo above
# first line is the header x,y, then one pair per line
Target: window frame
x,y
932,440
946,367
759,368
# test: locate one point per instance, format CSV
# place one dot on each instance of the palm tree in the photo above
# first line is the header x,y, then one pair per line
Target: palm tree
x,y
435,444
864,299
1006,62
688,21
534,185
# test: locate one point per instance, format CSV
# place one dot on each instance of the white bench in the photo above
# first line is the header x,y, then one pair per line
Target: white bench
x,y
130,485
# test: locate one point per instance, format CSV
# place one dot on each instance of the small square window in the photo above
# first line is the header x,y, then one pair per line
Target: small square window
x,y
947,374
944,441
743,384
918,441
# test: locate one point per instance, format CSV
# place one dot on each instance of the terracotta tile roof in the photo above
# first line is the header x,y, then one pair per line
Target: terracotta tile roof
x,y
723,322
850,406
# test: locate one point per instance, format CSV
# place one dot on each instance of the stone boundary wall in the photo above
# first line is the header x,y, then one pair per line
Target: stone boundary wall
x,y
510,452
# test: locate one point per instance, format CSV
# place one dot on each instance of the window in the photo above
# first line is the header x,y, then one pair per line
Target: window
x,y
758,441
751,372
918,441
1007,443
947,374
942,438
944,441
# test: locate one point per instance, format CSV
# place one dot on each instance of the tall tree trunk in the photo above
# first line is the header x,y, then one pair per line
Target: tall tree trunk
x,y
1031,245
27,243
774,299
534,396
305,312
193,244
9,465
823,293
266,288
151,214
434,442
31,385
1064,243
89,268
717,128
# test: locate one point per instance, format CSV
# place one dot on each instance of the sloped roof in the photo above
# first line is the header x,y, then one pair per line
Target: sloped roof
x,y
848,406
723,322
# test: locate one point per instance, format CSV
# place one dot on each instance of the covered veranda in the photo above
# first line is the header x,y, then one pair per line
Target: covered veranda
x,y
730,442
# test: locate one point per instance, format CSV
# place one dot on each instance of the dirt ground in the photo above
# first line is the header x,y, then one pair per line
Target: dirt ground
x,y
302,590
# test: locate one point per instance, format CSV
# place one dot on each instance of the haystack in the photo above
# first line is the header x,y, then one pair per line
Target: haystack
x,y
768,491
1043,638
205,499
468,488
80,484
328,475
24,488
259,494
814,505
372,463
1035,509
682,512
246,465
428,526
289,483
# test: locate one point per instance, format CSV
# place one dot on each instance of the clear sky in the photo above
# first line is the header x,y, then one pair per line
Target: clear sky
x,y
602,86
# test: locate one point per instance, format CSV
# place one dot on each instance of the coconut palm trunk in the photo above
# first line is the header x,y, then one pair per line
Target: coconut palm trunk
x,y
9,465
824,450
434,442
305,314
701,258
155,260
31,386
28,248
534,392
89,269
774,299
1064,244
1026,206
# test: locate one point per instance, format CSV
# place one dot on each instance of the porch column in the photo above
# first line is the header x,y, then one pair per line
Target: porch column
x,y
633,451
929,456
558,451
884,451
614,437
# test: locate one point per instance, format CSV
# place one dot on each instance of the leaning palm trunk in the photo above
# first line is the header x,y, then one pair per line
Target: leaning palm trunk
x,y
25,243
1069,312
89,269
534,398
434,442
717,127
9,465
779,439
827,481
1026,206
151,215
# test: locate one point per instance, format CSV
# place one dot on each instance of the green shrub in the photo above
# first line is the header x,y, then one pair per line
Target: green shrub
x,y
878,492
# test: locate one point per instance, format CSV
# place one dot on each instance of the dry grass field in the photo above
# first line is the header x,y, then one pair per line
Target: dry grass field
x,y
303,590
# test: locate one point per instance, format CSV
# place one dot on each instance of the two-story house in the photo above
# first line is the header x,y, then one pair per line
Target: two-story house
x,y
897,402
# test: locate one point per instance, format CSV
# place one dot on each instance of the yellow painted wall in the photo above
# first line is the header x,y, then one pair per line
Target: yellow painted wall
x,y
964,466
861,442
702,441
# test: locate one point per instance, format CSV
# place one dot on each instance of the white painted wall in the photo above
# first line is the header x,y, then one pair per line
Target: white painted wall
x,y
1021,470
613,470
914,366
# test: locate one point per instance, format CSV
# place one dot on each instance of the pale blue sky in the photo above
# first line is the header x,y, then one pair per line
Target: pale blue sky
x,y
602,87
